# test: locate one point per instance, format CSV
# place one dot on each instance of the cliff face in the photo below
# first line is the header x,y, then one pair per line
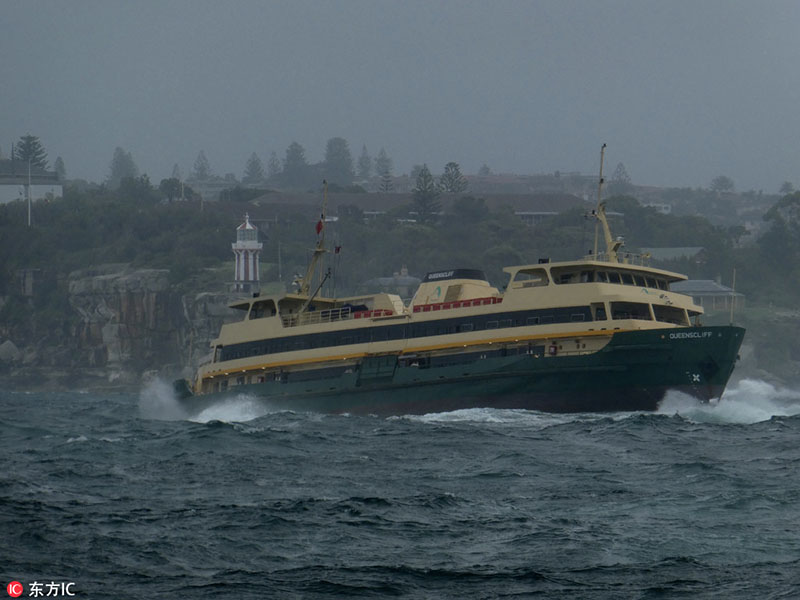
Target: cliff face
x,y
130,323
129,320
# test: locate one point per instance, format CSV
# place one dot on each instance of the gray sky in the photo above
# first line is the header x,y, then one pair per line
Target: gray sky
x,y
681,91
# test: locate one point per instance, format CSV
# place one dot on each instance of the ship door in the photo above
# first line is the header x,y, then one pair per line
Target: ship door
x,y
376,369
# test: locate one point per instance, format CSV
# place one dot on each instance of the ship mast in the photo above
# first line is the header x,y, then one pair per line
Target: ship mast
x,y
319,250
612,245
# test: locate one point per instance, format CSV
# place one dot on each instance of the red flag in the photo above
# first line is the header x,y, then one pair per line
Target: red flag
x,y
319,226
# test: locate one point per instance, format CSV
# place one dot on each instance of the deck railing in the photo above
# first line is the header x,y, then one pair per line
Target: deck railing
x,y
625,258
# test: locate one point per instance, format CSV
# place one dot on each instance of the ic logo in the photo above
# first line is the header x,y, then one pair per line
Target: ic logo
x,y
14,589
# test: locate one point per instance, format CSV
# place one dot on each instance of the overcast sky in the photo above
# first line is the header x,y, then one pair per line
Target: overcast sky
x,y
681,91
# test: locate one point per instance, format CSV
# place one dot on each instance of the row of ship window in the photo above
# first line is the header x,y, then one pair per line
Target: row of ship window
x,y
620,310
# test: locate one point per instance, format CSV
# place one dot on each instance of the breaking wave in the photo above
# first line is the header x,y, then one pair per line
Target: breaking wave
x,y
748,401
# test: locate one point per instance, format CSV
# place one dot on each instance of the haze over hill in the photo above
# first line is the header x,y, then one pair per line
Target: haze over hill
x,y
681,91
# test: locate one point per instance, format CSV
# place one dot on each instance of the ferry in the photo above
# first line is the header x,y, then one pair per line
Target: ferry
x,y
605,333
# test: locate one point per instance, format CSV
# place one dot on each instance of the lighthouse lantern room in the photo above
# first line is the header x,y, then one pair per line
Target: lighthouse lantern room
x,y
246,249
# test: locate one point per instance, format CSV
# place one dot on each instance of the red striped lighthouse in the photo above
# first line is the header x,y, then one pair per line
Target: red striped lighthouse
x,y
246,249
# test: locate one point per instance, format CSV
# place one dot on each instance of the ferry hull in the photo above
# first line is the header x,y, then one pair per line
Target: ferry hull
x,y
633,372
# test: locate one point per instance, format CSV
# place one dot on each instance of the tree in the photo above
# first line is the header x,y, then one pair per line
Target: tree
x,y
620,184
452,181
202,168
171,188
60,169
387,183
786,188
484,171
364,164
273,165
338,166
122,167
29,148
415,171
383,164
722,184
426,196
295,166
176,172
253,170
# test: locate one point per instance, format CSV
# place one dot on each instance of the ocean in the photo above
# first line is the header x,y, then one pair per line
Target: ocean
x,y
125,496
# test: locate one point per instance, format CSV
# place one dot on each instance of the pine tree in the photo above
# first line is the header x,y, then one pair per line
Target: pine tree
x,y
295,166
29,148
273,165
254,170
60,169
426,196
452,181
202,168
620,184
176,172
387,183
364,164
338,162
122,167
383,164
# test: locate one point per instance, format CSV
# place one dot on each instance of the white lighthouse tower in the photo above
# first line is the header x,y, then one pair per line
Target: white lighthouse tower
x,y
246,249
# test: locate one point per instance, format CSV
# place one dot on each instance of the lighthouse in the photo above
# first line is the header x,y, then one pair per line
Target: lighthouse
x,y
246,249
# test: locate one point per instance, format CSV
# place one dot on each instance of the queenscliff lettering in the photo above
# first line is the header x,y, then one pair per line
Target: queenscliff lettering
x,y
441,275
683,335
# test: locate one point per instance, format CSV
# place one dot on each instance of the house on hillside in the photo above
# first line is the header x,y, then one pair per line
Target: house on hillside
x,y
710,294
14,178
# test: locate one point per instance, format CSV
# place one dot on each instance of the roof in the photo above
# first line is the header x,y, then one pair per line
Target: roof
x,y
673,253
703,287
246,224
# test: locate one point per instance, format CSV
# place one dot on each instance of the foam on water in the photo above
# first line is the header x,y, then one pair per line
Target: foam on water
x,y
237,409
748,401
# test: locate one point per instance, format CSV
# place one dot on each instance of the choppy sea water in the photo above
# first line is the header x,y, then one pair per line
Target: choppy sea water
x,y
128,497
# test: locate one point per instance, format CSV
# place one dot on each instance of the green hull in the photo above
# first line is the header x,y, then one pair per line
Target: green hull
x,y
633,372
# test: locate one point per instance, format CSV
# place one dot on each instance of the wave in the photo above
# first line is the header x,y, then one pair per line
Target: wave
x,y
157,401
748,401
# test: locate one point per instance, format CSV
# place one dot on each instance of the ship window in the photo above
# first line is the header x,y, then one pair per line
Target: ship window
x,y
639,280
465,327
261,309
547,319
577,317
662,285
505,323
240,380
670,314
599,312
627,278
587,276
532,321
651,283
630,310
533,278
602,276
613,277
491,325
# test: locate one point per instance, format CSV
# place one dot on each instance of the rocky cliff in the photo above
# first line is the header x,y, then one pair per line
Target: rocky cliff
x,y
127,324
